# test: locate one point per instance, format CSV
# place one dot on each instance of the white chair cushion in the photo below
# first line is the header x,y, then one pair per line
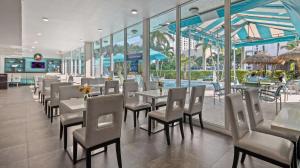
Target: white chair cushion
x,y
161,115
267,145
265,127
137,105
70,118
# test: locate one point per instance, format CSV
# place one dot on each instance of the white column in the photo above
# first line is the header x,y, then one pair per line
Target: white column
x,y
146,52
71,63
88,53
227,25
76,66
178,37
111,52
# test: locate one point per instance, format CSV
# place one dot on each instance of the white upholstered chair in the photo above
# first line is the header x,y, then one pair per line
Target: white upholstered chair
x,y
173,112
133,102
273,149
69,118
46,91
111,87
195,105
54,98
99,134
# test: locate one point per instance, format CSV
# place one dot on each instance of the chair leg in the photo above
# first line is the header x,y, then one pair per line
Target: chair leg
x,y
134,118
45,108
276,106
149,126
74,151
243,158
105,149
88,158
48,112
181,128
200,119
125,115
184,118
214,97
167,133
118,151
236,157
51,114
65,137
61,131
191,124
280,102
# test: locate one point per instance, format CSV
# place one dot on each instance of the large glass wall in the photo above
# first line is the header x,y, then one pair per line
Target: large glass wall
x,y
162,49
105,54
201,59
135,53
96,59
118,55
81,62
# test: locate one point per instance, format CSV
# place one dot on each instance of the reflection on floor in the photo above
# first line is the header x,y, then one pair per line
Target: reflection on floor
x,y
28,139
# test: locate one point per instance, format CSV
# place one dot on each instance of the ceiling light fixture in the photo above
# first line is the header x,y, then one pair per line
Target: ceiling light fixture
x,y
134,11
81,40
35,42
194,10
33,47
45,19
39,34
100,30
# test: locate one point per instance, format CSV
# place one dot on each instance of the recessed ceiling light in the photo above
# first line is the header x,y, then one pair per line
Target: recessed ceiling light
x,y
39,34
81,40
35,42
45,19
134,11
134,31
33,47
100,30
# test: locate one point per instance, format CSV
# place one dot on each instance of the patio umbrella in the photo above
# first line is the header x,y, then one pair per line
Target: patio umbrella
x,y
290,55
261,58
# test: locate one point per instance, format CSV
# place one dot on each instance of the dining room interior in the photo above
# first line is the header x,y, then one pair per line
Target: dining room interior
x,y
149,84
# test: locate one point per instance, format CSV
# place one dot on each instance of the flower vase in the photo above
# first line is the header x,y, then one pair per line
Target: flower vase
x,y
85,99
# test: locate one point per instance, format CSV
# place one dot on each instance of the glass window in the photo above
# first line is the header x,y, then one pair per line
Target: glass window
x,y
135,53
105,54
96,59
118,56
201,57
162,49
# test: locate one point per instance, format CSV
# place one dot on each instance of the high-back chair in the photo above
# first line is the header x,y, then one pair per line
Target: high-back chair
x,y
46,90
273,149
100,134
69,118
71,79
111,87
195,105
153,85
133,102
54,98
173,112
256,119
40,86
84,81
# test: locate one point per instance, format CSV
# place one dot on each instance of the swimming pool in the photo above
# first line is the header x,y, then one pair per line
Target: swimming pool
x,y
171,83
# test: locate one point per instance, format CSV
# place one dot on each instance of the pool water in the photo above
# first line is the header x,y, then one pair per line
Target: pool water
x,y
171,83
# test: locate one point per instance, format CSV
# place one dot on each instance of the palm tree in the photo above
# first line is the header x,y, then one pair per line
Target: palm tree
x,y
291,45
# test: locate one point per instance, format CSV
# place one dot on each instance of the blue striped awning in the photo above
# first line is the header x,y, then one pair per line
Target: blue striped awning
x,y
254,22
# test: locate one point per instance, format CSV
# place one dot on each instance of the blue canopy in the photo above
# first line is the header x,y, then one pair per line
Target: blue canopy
x,y
254,22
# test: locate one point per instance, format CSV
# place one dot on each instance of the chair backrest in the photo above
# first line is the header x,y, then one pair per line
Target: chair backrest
x,y
109,106
217,86
47,83
253,107
96,81
237,116
68,92
70,78
196,99
128,89
277,92
111,87
128,80
84,81
55,89
153,85
175,103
